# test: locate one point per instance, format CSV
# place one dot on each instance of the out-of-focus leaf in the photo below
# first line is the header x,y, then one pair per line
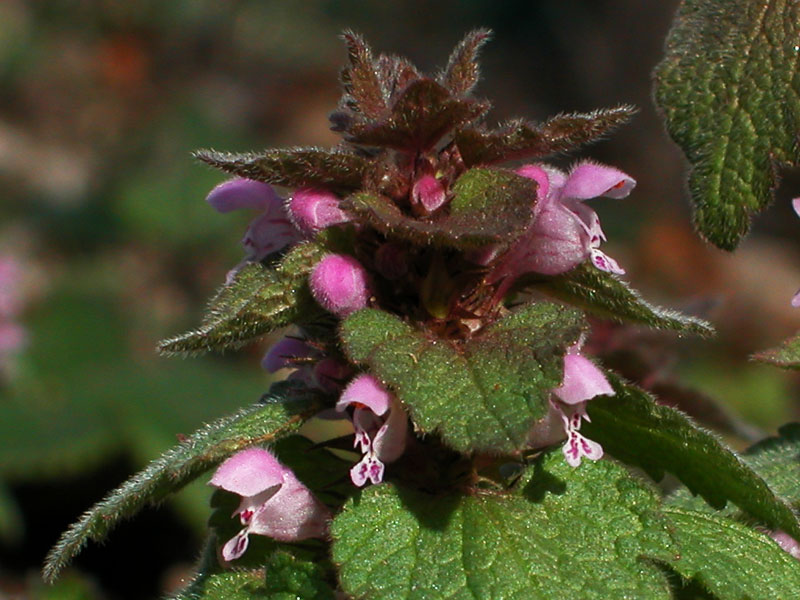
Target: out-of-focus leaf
x,y
281,413
462,71
521,139
257,301
732,561
634,429
11,524
295,167
606,295
787,355
420,116
489,206
730,93
568,533
481,394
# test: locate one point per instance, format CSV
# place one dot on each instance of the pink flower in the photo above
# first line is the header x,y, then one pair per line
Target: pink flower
x,y
340,284
312,210
380,424
565,231
786,542
271,230
796,206
582,381
274,503
428,193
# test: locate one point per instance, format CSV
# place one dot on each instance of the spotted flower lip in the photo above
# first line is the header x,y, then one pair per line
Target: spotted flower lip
x,y
274,502
271,230
381,427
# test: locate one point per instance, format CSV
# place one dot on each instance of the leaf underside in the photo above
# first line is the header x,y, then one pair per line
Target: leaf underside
x,y
482,394
283,412
729,88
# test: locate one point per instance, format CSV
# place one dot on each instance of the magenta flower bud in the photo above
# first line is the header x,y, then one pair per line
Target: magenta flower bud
x,y
340,284
380,424
391,260
269,232
274,502
428,192
312,210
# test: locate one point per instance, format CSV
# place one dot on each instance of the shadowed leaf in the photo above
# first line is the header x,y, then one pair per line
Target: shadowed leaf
x,y
786,356
633,428
296,167
730,93
462,71
360,78
282,413
488,206
481,394
521,139
606,295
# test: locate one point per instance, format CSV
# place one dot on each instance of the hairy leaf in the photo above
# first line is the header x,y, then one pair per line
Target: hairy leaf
x,y
258,300
633,428
462,71
606,295
420,116
360,78
732,561
280,414
295,167
489,206
570,533
730,92
521,139
481,394
787,355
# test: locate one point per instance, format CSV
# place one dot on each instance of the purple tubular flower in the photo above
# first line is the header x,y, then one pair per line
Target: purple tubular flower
x,y
565,231
269,232
313,209
340,284
381,427
582,381
274,502
796,206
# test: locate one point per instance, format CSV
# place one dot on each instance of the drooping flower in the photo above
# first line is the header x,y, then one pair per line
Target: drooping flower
x,y
314,209
380,424
565,231
340,284
274,502
582,381
796,206
271,230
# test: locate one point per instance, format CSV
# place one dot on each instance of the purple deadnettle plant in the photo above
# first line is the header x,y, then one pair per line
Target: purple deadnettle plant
x,y
443,279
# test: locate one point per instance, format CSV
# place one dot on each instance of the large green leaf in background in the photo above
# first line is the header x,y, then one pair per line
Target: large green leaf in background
x,y
481,394
633,428
283,412
729,87
570,533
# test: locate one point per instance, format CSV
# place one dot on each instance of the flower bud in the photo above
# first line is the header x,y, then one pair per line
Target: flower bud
x,y
340,284
313,209
428,192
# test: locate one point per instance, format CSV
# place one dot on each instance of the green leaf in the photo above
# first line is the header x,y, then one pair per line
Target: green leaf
x,y
633,428
462,71
283,412
420,116
488,206
296,167
257,301
730,93
777,460
571,533
519,139
481,394
606,295
787,355
732,561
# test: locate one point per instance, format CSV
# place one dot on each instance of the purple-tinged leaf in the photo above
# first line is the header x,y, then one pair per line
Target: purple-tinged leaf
x,y
462,71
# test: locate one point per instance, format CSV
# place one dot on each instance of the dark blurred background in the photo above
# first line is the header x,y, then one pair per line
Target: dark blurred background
x,y
106,244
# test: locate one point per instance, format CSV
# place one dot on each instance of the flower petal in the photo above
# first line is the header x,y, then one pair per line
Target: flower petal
x,y
428,192
367,391
241,193
250,472
236,546
292,514
268,233
796,205
583,380
590,180
390,441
